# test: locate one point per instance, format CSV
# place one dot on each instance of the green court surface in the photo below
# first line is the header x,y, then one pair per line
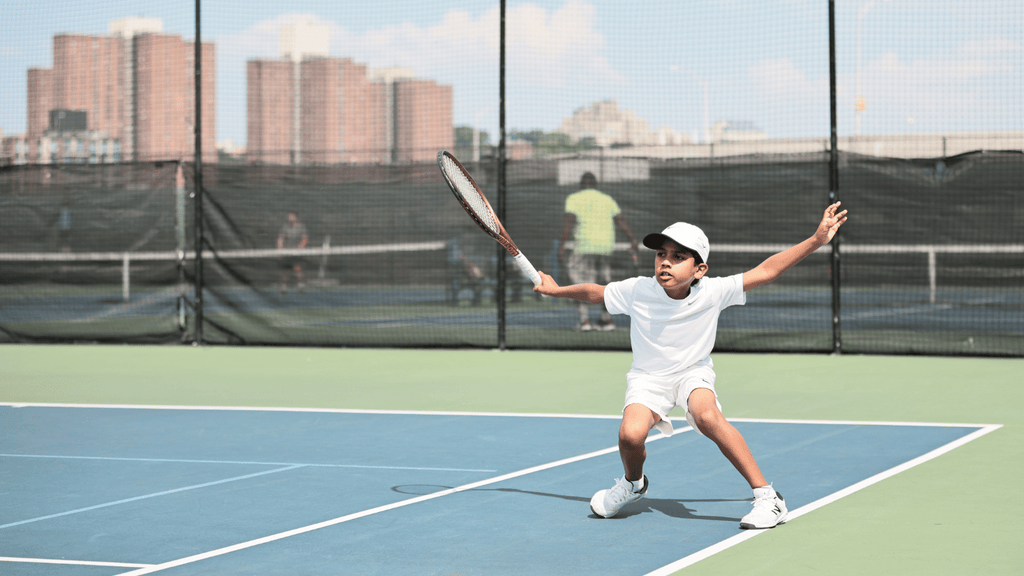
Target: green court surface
x,y
952,515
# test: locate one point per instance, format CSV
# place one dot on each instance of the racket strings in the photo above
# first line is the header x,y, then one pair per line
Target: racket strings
x,y
471,197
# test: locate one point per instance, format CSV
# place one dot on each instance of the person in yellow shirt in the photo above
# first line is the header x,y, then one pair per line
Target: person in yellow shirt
x,y
590,220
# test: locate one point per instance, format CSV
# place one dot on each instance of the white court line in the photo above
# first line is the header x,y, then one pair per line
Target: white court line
x,y
467,413
303,464
377,510
860,423
154,495
311,410
748,534
72,562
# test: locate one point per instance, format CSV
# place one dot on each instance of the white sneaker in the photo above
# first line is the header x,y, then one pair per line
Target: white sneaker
x,y
584,327
607,503
769,509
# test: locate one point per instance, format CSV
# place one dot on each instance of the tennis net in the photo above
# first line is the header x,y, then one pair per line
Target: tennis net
x,y
150,295
895,298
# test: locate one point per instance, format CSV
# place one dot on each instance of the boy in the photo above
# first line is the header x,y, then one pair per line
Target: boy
x,y
674,319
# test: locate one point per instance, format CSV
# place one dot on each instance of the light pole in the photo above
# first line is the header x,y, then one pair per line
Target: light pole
x,y
859,103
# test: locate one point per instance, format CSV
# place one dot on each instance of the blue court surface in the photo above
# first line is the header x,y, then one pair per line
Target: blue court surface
x,y
137,490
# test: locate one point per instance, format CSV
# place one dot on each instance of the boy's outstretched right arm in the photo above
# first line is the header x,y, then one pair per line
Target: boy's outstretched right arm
x,y
776,264
590,293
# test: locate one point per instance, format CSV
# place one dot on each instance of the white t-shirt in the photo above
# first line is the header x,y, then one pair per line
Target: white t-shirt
x,y
669,335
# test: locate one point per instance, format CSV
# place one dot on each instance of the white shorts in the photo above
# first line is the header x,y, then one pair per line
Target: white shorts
x,y
589,268
663,393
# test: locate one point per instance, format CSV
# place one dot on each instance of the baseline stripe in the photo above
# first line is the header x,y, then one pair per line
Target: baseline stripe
x,y
312,410
154,495
57,456
72,562
457,413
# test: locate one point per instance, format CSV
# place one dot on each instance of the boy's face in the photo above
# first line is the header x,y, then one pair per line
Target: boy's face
x,y
675,269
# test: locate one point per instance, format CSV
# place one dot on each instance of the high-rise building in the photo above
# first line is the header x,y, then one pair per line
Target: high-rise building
x,y
423,120
136,86
269,122
310,108
342,113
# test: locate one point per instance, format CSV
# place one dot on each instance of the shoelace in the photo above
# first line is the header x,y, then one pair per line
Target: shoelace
x,y
765,502
622,490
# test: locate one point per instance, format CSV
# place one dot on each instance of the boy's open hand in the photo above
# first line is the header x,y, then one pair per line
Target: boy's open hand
x,y
830,223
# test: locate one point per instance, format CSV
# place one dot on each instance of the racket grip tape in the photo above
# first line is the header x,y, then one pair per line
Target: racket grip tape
x,y
527,268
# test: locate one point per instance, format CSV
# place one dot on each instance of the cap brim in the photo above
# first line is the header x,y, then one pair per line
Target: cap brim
x,y
655,241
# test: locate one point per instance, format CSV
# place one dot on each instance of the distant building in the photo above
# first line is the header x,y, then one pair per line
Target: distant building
x,y
665,136
726,131
67,140
135,86
310,108
519,150
608,125
13,150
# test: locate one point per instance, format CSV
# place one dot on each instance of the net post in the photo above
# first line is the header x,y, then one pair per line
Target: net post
x,y
125,277
833,194
932,274
180,230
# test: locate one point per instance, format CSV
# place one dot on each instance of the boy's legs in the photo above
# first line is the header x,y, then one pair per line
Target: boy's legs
x,y
637,421
703,407
769,506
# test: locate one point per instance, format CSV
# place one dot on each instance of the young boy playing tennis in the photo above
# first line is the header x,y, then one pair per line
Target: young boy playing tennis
x,y
673,322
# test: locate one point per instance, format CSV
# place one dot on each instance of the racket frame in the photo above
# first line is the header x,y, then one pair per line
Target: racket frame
x,y
501,235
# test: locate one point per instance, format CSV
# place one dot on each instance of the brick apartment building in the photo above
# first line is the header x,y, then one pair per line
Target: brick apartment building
x,y
136,88
323,110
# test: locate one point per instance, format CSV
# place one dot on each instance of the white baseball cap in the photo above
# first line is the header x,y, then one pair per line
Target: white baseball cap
x,y
686,235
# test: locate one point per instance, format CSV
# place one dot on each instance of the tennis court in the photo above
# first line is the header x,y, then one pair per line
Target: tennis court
x,y
405,462
245,328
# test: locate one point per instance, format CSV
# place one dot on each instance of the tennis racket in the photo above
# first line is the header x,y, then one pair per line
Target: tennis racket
x,y
479,209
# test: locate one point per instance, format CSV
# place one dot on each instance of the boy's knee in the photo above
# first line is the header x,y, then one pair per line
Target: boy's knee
x,y
702,408
632,435
707,419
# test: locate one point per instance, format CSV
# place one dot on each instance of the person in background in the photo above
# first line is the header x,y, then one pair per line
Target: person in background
x,y
590,220
292,235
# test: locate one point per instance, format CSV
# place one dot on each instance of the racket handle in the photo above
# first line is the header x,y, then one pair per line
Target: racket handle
x,y
527,268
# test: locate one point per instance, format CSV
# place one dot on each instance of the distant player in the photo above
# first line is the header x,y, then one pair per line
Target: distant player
x,y
673,323
293,234
590,220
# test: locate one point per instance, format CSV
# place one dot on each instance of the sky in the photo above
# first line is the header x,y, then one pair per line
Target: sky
x,y
929,67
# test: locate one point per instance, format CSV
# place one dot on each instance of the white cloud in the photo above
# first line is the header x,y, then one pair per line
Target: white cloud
x,y
780,80
559,48
787,98
546,49
541,46
941,94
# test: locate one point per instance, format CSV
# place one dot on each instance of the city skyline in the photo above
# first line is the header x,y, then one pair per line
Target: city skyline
x,y
927,68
